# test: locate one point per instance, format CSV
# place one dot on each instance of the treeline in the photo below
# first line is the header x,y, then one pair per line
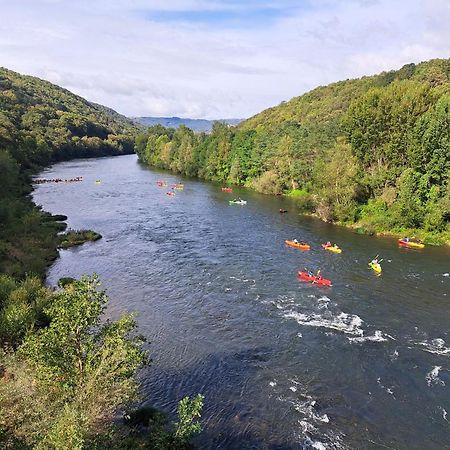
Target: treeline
x,y
373,151
41,123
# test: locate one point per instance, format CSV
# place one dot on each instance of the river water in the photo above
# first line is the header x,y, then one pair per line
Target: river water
x,y
283,364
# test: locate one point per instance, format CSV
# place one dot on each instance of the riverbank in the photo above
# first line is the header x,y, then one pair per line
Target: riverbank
x,y
370,225
428,238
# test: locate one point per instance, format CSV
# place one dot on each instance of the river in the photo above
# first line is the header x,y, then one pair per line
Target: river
x,y
364,364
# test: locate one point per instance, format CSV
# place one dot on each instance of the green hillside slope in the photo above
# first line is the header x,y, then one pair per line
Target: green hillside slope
x,y
41,122
374,151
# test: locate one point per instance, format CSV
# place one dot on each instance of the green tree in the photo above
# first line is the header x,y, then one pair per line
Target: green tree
x,y
78,371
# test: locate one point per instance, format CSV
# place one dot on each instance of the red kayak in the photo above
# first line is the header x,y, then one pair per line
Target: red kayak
x,y
305,276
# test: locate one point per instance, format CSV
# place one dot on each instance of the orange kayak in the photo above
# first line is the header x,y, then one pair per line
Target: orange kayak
x,y
300,245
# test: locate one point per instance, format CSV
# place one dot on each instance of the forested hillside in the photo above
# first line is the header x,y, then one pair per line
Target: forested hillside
x,y
41,123
373,151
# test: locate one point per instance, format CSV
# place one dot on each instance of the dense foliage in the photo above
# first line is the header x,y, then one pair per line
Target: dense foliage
x,y
41,123
373,151
66,374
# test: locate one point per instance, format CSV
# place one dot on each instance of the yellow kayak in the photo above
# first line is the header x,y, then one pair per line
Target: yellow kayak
x,y
410,244
332,248
376,267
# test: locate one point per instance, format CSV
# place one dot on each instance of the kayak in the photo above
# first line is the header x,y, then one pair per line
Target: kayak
x,y
410,244
305,276
170,194
237,202
375,267
226,189
300,245
179,188
332,248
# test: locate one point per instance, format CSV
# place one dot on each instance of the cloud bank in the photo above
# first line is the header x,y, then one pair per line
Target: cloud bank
x,y
218,58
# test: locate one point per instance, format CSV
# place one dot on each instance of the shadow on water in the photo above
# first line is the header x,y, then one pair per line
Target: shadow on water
x,y
235,425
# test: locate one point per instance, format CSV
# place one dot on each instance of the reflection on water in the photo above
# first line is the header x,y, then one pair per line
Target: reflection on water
x,y
282,364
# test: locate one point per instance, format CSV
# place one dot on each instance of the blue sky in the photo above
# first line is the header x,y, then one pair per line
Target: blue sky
x,y
214,58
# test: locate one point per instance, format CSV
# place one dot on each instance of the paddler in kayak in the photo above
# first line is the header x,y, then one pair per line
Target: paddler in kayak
x,y
317,277
299,242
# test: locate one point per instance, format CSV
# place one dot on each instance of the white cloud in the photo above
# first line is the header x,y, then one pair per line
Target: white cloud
x,y
118,54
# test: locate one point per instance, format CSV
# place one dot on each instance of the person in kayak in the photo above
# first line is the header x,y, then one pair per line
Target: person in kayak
x,y
295,241
328,244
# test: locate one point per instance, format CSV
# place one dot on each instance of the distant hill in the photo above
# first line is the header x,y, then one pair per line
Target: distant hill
x,y
174,122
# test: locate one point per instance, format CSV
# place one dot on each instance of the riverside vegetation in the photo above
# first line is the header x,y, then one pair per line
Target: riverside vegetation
x,y
65,373
371,153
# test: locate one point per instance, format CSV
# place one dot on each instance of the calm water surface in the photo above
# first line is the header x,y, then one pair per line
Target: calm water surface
x,y
364,364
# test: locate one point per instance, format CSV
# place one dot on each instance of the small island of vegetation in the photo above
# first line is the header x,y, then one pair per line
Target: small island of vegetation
x,y
78,237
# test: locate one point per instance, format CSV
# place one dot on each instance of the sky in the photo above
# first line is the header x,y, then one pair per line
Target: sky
x,y
214,59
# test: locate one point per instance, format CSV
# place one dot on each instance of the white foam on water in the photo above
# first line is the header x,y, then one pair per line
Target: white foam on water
x,y
293,389
432,376
299,335
444,413
306,426
272,383
446,274
389,390
343,322
323,302
394,355
436,346
377,337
